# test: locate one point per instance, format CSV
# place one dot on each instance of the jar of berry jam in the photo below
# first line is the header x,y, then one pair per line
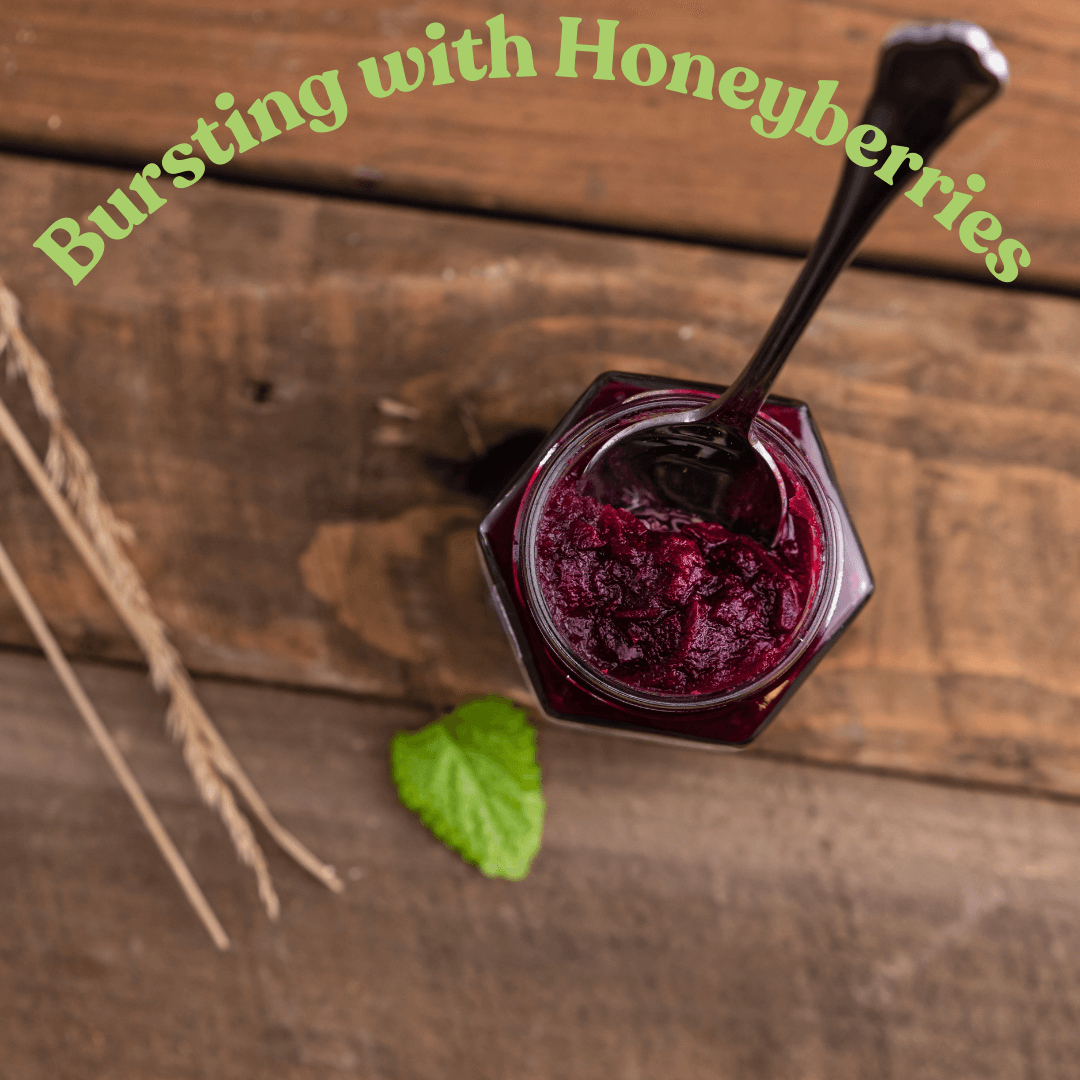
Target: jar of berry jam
x,y
649,622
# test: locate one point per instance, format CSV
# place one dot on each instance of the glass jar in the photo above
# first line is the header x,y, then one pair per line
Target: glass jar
x,y
575,691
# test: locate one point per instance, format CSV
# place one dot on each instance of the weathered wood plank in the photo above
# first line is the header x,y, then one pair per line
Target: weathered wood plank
x,y
689,915
116,79
294,533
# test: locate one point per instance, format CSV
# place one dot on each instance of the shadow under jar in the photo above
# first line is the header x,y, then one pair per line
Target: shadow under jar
x,y
657,625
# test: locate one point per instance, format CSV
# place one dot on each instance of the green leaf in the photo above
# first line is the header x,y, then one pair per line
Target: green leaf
x,y
472,778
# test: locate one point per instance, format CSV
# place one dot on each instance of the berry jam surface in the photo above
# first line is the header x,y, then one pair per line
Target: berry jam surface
x,y
689,608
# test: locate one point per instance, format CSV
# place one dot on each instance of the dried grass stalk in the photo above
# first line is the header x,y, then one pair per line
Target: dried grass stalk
x,y
70,486
32,613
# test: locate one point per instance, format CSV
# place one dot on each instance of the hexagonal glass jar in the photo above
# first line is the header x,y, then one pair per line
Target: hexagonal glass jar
x,y
571,690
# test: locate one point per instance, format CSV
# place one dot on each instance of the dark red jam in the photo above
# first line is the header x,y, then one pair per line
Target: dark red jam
x,y
688,608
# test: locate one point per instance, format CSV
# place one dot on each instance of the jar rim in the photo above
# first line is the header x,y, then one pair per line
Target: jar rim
x,y
588,434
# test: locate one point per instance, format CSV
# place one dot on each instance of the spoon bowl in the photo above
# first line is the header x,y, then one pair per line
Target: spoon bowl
x,y
709,470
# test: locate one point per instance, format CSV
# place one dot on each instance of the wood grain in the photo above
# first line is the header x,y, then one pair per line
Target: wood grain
x,y
122,81
296,534
689,915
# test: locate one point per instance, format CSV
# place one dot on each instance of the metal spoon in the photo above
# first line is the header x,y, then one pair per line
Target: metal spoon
x,y
708,462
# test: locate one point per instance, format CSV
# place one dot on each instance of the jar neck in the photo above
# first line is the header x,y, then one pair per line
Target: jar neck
x,y
578,442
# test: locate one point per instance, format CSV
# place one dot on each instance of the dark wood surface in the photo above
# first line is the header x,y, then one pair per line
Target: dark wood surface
x,y
304,539
690,915
126,81
878,889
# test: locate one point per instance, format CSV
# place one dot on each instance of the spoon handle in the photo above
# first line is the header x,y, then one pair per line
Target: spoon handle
x,y
930,79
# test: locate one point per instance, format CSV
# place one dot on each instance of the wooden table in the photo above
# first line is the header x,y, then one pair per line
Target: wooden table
x,y
264,371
